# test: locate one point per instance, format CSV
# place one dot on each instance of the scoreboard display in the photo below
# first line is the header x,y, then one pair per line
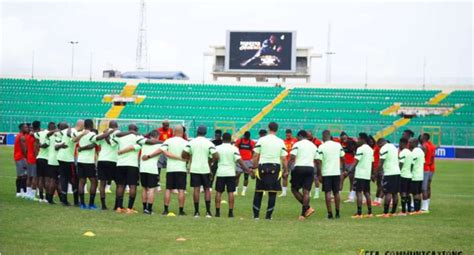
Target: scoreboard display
x,y
260,51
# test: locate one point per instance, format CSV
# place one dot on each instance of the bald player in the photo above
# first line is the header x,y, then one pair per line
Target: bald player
x,y
176,171
418,157
86,164
42,141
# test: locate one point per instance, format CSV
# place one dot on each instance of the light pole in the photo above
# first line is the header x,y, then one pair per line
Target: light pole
x,y
366,70
424,73
72,59
328,57
90,68
33,65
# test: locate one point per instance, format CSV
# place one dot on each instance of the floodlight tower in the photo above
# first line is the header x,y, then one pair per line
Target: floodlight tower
x,y
328,57
142,48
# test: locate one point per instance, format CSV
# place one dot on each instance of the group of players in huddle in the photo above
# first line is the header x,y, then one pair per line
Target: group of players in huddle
x,y
48,161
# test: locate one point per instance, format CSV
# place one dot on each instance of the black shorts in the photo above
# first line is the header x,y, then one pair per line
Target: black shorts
x,y
127,175
86,170
405,185
332,183
149,180
361,185
106,170
302,177
176,180
225,182
203,180
391,183
415,187
53,172
268,178
41,167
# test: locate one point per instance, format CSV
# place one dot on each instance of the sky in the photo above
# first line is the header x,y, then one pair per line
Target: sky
x,y
393,42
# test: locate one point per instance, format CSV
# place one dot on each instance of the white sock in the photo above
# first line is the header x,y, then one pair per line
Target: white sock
x,y
428,204
33,193
236,190
283,191
424,205
244,189
352,195
28,190
107,187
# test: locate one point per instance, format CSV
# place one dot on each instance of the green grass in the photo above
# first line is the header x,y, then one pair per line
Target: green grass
x,y
28,227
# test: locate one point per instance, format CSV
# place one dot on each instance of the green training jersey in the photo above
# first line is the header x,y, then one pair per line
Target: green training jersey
x,y
330,154
86,156
271,149
130,158
389,153
418,162
201,150
175,145
405,158
108,148
228,155
150,165
42,139
52,152
305,152
365,157
65,137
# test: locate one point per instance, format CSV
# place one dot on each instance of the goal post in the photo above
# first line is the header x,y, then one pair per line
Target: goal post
x,y
144,125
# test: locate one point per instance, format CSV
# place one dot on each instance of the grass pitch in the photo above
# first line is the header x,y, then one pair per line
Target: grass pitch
x,y
28,227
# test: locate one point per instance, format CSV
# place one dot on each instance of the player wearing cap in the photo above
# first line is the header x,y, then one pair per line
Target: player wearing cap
x,y
330,163
200,151
364,157
391,176
417,175
176,170
406,160
289,142
303,156
20,155
270,156
429,170
226,169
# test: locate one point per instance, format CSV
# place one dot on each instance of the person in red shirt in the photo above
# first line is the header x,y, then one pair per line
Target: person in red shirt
x,y
20,155
164,132
316,142
349,146
429,169
31,153
289,141
245,146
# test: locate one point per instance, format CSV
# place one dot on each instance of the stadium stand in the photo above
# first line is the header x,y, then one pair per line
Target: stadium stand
x,y
351,110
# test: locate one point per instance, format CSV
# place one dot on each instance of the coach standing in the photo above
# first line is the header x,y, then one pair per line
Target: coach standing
x,y
270,156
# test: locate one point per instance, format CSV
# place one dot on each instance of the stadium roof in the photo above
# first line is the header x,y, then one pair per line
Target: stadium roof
x,y
153,75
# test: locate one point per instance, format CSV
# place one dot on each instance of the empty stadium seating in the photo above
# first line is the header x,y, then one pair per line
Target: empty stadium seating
x,y
351,110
